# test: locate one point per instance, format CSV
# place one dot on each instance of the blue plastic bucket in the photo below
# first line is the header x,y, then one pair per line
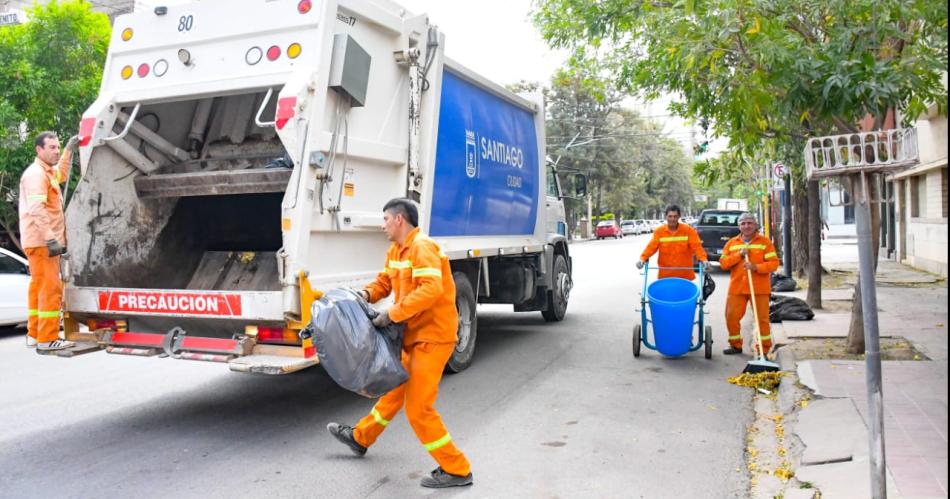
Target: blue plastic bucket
x,y
673,310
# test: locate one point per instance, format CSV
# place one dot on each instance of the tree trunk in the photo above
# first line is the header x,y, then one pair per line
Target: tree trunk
x,y
856,329
813,298
9,231
800,230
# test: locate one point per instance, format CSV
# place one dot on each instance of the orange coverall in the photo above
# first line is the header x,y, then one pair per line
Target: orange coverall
x,y
42,219
676,250
421,278
762,254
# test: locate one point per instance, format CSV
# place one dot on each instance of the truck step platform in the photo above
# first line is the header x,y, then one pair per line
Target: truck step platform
x,y
212,183
81,347
271,364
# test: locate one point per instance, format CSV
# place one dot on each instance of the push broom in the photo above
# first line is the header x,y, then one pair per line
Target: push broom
x,y
760,364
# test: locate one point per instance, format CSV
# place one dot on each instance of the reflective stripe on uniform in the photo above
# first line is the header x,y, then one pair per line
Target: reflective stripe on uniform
x,y
48,314
735,336
431,446
379,419
767,338
739,247
400,264
32,198
426,272
32,311
672,239
770,255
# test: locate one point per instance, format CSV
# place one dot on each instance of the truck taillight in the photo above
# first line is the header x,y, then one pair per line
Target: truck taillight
x,y
85,131
293,50
304,6
126,72
273,53
127,34
253,55
117,325
143,70
270,334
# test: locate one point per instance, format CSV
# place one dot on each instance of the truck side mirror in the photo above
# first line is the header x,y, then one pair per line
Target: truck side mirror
x,y
580,185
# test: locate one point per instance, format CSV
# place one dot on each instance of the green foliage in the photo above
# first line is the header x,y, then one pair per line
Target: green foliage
x,y
50,70
766,74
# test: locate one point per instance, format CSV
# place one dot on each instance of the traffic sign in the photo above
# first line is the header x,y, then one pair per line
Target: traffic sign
x,y
779,170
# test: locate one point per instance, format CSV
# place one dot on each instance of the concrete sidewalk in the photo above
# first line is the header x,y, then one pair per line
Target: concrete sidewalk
x,y
832,427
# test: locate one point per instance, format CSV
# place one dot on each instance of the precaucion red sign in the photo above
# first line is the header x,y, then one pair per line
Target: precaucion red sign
x,y
170,303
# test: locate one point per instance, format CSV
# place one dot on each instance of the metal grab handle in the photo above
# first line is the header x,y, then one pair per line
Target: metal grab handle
x,y
128,125
257,118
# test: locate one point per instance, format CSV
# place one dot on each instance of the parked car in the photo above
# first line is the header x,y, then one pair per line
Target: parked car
x,y
608,228
643,226
629,228
715,227
14,283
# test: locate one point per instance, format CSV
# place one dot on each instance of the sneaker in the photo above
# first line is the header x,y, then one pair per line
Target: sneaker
x,y
344,434
50,346
30,341
439,479
732,351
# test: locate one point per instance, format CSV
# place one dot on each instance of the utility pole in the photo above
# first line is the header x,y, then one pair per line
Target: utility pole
x,y
787,226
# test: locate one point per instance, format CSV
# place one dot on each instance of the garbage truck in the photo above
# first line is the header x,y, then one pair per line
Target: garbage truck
x,y
236,160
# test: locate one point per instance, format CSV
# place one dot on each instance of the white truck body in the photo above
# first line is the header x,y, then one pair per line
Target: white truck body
x,y
732,204
223,179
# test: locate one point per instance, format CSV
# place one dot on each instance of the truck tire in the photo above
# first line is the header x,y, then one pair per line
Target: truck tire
x,y
560,291
468,325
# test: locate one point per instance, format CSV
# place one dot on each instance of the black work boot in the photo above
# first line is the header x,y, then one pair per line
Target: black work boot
x,y
732,351
344,434
439,479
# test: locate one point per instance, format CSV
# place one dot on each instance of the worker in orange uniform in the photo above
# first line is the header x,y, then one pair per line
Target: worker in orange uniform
x,y
762,261
418,273
43,238
678,244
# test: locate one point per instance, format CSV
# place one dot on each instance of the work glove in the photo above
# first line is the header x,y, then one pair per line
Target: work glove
x,y
364,295
639,264
73,143
54,248
383,319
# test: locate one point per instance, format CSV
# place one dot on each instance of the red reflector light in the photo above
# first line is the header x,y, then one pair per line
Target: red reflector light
x,y
304,6
285,111
85,131
143,70
267,334
273,53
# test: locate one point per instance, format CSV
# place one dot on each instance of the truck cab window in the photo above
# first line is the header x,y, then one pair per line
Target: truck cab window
x,y
552,183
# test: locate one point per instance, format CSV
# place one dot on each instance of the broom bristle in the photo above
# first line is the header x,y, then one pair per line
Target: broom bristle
x,y
761,366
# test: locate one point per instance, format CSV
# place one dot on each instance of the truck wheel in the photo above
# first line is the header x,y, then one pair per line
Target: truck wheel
x,y
560,291
468,324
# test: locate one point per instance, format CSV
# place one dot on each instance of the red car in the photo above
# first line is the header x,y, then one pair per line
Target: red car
x,y
608,228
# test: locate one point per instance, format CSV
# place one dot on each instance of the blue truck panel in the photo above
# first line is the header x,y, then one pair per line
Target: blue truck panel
x,y
486,165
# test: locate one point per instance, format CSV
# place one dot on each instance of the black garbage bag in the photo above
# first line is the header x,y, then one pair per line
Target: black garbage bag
x,y
356,354
789,308
781,283
709,285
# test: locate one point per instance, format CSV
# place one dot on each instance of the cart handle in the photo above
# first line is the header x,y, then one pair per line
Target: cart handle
x,y
646,268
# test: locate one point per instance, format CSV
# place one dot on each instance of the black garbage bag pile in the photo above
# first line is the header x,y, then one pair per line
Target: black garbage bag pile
x,y
356,354
781,283
789,308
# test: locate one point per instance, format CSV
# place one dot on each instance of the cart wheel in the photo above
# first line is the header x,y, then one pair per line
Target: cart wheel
x,y
636,339
708,341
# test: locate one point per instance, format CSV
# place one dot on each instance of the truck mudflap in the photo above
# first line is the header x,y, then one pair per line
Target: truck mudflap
x,y
247,305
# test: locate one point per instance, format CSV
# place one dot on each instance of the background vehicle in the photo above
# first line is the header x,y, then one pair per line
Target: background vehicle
x,y
243,165
715,228
643,226
14,285
608,228
629,228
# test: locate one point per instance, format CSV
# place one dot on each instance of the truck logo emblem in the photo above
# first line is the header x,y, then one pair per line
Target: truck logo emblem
x,y
471,160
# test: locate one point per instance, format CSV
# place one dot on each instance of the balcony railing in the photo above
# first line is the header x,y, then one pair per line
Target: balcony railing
x,y
880,151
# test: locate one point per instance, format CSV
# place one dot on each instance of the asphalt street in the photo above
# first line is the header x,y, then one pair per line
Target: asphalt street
x,y
547,410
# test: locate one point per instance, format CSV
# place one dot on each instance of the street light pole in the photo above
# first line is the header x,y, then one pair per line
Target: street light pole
x,y
872,347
